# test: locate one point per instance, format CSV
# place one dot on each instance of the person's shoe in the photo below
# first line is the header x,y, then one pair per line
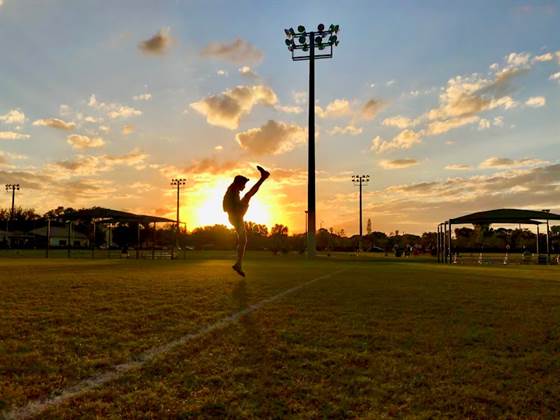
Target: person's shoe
x,y
238,270
264,173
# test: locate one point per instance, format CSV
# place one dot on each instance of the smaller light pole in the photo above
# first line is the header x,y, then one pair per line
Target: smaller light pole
x,y
13,188
359,180
178,182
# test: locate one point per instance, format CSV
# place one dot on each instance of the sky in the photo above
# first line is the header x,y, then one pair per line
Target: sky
x,y
449,107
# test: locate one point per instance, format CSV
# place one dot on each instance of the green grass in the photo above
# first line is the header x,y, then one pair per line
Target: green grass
x,y
386,337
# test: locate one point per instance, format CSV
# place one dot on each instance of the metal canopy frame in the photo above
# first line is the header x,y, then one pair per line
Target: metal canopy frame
x,y
490,217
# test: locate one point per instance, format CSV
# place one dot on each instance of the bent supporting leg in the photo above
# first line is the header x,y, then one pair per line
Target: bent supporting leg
x,y
241,243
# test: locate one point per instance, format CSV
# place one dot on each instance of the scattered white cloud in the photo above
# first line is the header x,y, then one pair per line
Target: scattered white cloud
x,y
403,141
400,122
536,101
483,124
272,138
289,109
227,108
349,129
335,109
91,120
247,72
87,165
391,82
371,108
458,167
157,44
300,97
64,110
544,57
398,163
113,110
84,142
12,135
55,123
142,97
104,128
127,129
222,72
14,116
555,77
505,163
218,148
238,51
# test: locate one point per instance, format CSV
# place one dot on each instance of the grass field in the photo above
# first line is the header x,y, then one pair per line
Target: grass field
x,y
379,338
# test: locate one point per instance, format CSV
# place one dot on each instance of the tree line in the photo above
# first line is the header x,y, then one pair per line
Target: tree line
x,y
278,239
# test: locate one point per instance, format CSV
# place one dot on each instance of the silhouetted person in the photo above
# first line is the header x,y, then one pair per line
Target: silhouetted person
x,y
236,207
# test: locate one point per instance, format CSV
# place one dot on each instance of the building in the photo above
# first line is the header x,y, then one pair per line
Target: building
x,y
61,236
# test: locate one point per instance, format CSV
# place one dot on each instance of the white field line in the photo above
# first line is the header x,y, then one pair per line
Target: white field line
x,y
35,407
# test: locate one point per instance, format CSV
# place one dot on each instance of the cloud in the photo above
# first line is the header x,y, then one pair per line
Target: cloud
x,y
11,135
403,141
222,72
55,123
458,167
335,109
157,44
273,138
14,116
398,163
289,109
484,123
400,122
443,126
555,77
227,108
544,57
237,51
371,108
142,97
218,148
536,101
349,129
113,110
391,82
84,142
127,129
300,97
504,163
247,72
86,165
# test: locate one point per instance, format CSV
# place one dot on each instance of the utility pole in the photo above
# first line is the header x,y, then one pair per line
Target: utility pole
x,y
302,45
359,180
178,182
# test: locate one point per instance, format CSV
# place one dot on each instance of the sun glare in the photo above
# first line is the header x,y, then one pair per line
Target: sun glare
x,y
205,207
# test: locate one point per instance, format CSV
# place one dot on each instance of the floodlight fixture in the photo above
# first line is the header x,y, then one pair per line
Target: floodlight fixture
x,y
305,49
360,180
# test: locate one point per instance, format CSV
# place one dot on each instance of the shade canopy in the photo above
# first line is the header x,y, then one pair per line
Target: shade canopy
x,y
517,216
114,216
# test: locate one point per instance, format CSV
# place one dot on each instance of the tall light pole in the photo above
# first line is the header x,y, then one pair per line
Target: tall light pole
x,y
179,182
359,180
13,188
547,236
302,45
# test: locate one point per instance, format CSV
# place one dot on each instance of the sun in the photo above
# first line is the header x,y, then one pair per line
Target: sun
x,y
205,207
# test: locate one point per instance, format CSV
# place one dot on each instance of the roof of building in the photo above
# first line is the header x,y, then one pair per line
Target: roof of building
x,y
110,215
533,217
58,232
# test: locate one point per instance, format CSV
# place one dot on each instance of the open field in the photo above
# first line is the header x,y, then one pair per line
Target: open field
x,y
366,338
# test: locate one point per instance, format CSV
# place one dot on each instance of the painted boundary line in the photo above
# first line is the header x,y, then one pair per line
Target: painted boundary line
x,y
35,407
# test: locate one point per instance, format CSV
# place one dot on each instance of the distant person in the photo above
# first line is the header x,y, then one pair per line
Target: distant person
x,y
236,208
